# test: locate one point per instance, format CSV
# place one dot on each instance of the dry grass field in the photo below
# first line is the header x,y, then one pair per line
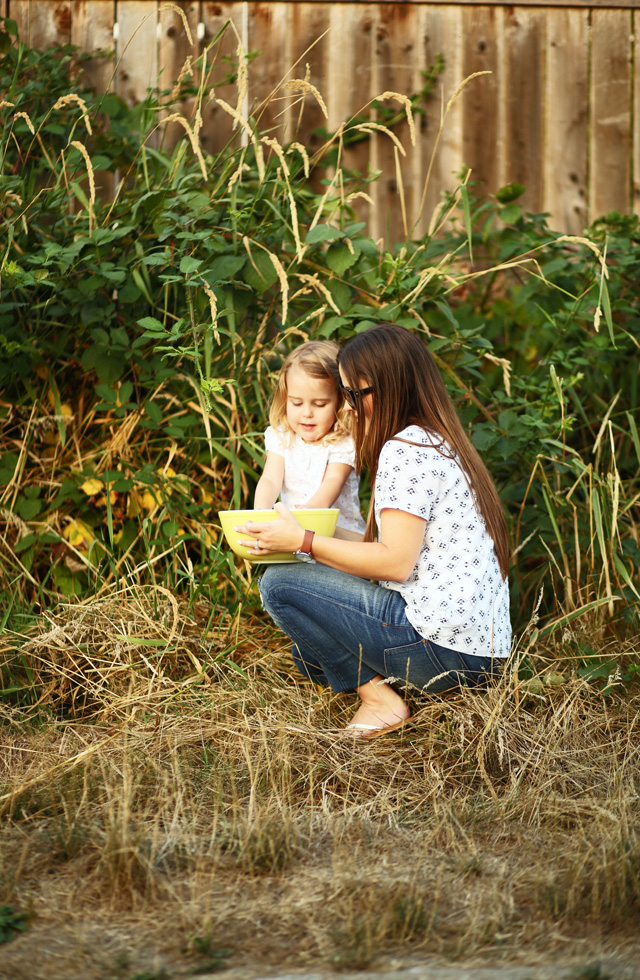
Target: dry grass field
x,y
181,801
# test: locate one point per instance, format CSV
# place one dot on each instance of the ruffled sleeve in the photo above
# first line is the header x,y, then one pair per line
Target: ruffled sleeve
x,y
342,452
274,441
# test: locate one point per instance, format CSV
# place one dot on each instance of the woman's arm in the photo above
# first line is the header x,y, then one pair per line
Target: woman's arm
x,y
392,558
270,483
334,479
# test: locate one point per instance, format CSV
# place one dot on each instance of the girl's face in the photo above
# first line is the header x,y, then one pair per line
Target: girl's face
x,y
312,404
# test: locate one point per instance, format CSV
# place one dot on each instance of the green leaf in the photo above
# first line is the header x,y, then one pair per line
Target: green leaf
x,y
24,543
263,275
108,365
153,410
323,233
340,258
152,325
341,294
225,267
28,509
331,324
189,264
125,391
510,192
107,393
464,195
511,214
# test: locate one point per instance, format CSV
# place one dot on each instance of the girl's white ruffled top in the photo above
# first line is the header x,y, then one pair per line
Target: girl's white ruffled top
x,y
305,464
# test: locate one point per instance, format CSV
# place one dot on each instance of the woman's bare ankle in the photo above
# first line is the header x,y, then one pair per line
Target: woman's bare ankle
x,y
380,704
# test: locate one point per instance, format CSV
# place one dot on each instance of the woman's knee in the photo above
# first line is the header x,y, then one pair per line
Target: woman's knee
x,y
271,579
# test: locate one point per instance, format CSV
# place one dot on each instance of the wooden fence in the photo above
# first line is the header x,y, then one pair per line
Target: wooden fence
x,y
559,113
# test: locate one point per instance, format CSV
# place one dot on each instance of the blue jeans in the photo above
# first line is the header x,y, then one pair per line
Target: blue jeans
x,y
346,630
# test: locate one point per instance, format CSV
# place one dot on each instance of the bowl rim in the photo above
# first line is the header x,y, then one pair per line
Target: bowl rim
x,y
296,510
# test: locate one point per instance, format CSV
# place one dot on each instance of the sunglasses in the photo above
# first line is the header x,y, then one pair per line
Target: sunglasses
x,y
352,395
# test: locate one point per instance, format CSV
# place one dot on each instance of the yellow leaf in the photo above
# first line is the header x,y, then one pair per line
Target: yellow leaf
x,y
149,500
79,534
91,487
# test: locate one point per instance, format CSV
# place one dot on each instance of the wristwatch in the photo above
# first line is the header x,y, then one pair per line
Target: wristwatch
x,y
304,553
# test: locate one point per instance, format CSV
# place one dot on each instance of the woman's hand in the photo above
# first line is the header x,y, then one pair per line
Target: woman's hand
x,y
283,534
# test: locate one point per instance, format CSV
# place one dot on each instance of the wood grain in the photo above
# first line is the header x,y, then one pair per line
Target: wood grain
x,y
349,89
174,48
442,130
566,96
137,49
480,108
308,26
91,28
219,129
521,139
269,36
636,115
42,24
396,43
610,145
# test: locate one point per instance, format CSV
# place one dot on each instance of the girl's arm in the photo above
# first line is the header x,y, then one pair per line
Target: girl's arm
x,y
334,479
392,558
270,483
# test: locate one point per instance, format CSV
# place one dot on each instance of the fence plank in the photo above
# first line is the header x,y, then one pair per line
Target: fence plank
x,y
566,98
442,154
308,23
349,87
218,127
91,28
174,48
636,120
396,44
480,99
42,24
610,116
269,35
137,32
523,115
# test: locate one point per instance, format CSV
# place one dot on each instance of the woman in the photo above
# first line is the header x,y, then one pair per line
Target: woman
x,y
438,614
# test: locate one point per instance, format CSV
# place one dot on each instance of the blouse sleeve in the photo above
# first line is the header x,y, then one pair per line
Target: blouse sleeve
x,y
342,452
273,442
409,478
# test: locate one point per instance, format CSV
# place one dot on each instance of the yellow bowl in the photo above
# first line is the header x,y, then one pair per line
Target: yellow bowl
x,y
321,520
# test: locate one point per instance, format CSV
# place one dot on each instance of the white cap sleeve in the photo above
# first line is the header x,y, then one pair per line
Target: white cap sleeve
x,y
343,452
274,441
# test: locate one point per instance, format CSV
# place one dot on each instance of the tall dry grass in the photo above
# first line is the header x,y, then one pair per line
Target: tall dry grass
x,y
202,788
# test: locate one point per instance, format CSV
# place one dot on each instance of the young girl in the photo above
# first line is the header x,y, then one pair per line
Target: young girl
x,y
310,454
438,616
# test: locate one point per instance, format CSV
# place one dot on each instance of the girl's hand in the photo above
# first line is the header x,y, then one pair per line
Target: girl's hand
x,y
283,534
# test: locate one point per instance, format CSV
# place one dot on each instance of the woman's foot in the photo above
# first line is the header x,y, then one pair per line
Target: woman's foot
x,y
382,708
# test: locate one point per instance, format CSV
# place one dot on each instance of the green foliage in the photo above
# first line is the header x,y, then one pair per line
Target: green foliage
x,y
140,335
11,922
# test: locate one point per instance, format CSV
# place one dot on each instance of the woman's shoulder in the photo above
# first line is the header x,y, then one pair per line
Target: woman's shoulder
x,y
414,435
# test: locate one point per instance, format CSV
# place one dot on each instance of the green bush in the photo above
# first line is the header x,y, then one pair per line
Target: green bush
x,y
140,332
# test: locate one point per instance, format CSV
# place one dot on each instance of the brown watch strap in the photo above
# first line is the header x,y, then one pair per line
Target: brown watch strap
x,y
307,542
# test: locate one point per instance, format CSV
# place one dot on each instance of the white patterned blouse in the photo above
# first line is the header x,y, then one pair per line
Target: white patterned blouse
x,y
456,595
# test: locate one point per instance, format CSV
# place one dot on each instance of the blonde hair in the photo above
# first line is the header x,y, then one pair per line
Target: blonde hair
x,y
318,359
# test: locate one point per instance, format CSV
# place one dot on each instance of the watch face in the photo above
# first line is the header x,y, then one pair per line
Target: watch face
x,y
303,556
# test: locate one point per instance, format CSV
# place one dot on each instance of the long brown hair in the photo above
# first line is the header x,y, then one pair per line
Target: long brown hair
x,y
408,390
